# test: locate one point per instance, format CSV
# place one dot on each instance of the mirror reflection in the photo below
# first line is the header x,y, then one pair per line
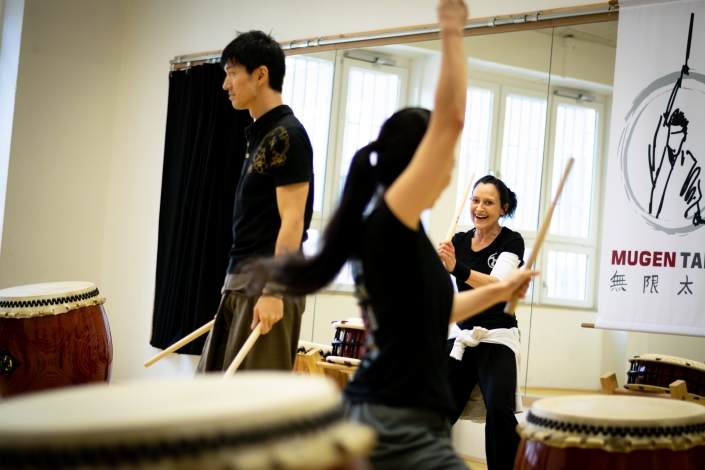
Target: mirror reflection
x,y
535,99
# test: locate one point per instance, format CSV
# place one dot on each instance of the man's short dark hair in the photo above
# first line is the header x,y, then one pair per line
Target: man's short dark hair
x,y
254,49
678,119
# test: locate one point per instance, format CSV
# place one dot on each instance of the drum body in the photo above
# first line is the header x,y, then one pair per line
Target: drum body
x,y
655,372
41,349
253,421
612,432
536,455
349,340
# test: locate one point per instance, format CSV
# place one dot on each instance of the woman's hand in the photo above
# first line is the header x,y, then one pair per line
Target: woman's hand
x,y
446,251
452,14
518,282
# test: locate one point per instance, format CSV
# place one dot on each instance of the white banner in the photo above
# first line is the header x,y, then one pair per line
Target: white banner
x,y
652,266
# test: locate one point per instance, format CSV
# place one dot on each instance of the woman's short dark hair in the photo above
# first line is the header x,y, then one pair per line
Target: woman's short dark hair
x,y
506,196
254,49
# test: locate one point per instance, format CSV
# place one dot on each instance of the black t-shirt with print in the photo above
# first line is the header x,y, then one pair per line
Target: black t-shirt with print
x,y
483,261
279,153
407,299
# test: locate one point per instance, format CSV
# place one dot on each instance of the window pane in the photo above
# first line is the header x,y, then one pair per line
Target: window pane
x,y
345,276
567,275
474,143
310,246
575,137
307,89
372,98
522,157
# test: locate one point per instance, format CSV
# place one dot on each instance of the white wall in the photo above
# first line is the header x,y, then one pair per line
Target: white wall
x,y
61,145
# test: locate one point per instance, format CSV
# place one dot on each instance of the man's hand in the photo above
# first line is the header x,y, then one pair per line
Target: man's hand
x,y
446,251
268,310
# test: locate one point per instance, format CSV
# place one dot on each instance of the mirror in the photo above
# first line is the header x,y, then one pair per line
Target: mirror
x,y
535,99
356,90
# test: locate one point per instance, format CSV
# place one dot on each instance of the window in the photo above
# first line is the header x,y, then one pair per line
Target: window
x,y
475,141
522,156
307,89
570,247
523,130
370,95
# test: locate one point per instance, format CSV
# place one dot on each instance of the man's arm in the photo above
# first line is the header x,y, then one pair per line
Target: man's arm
x,y
291,201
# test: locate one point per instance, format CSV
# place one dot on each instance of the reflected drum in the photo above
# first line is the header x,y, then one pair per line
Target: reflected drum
x,y
612,432
253,421
655,372
52,335
349,340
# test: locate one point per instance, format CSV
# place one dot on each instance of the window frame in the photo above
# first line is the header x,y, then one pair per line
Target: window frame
x,y
333,185
565,243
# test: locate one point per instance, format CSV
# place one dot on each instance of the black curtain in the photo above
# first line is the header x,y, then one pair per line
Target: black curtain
x,y
203,155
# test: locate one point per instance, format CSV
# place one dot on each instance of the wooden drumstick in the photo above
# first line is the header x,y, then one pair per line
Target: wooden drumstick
x,y
182,342
543,230
243,351
459,210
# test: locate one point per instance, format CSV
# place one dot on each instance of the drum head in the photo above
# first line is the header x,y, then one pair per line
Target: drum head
x,y
615,423
50,298
353,323
673,360
270,420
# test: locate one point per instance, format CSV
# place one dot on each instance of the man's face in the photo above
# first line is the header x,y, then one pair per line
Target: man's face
x,y
240,85
676,138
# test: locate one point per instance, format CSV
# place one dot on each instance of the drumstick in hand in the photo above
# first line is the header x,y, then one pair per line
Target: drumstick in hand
x,y
459,210
182,342
512,304
243,351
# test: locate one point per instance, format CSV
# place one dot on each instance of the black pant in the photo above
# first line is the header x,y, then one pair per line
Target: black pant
x,y
494,366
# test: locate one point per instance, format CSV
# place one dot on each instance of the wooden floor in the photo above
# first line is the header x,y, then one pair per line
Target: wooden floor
x,y
534,393
475,465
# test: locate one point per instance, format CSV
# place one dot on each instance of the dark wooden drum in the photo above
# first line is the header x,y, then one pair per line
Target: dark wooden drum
x,y
52,335
252,421
586,432
655,372
349,340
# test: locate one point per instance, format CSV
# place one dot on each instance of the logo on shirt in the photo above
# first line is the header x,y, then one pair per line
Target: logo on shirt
x,y
272,151
492,260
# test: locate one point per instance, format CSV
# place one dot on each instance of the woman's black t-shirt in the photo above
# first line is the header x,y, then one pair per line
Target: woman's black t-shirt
x,y
407,299
483,261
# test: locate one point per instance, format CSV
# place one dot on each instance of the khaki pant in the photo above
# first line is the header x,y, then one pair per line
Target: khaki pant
x,y
274,351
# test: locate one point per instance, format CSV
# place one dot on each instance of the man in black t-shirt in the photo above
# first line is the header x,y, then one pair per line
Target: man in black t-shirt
x,y
273,209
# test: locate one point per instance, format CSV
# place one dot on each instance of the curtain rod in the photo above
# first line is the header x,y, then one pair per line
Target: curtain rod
x,y
492,22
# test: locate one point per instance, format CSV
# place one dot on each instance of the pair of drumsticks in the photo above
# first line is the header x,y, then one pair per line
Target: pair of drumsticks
x,y
509,308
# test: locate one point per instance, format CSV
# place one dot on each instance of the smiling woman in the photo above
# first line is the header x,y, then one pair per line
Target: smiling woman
x,y
485,255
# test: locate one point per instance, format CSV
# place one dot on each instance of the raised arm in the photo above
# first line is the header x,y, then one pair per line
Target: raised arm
x,y
418,187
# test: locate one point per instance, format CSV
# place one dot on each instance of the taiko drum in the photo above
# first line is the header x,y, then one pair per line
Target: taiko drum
x,y
349,340
252,421
52,335
612,432
655,372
